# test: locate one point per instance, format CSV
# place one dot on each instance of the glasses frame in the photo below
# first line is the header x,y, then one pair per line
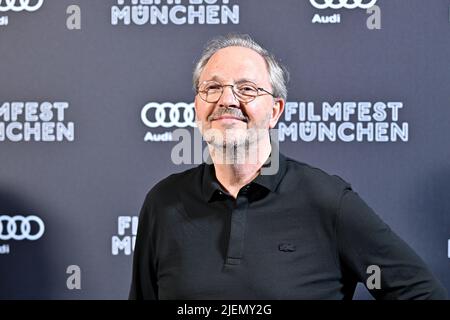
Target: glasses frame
x,y
236,95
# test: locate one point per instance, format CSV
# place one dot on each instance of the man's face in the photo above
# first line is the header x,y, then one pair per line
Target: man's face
x,y
230,118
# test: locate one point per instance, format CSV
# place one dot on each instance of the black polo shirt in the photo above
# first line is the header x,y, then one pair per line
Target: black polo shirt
x,y
298,234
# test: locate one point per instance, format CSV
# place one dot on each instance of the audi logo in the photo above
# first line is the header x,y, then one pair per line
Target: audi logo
x,y
20,228
168,115
20,5
348,4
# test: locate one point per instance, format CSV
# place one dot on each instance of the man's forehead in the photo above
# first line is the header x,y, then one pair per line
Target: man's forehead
x,y
220,78
237,54
242,63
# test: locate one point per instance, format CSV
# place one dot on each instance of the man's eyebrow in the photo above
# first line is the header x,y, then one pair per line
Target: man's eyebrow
x,y
215,78
242,80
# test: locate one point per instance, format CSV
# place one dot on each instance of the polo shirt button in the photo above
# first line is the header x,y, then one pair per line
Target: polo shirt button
x,y
245,189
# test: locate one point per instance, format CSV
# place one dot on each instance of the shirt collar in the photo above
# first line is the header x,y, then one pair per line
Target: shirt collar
x,y
270,182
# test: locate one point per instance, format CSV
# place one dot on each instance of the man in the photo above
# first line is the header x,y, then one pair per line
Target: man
x,y
227,231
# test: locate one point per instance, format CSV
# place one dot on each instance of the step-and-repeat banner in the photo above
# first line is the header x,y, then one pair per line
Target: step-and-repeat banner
x,y
91,93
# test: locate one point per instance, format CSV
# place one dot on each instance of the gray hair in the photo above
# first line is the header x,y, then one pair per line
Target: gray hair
x,y
278,74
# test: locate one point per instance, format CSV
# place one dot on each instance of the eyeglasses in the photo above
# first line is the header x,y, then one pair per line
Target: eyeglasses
x,y
211,91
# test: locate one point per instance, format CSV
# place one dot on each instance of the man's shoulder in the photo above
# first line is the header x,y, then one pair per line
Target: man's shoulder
x,y
315,179
175,183
317,188
180,180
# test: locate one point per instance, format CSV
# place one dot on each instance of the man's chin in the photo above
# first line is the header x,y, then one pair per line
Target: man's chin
x,y
229,143
224,125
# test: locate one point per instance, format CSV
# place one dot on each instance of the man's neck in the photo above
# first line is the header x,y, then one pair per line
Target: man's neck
x,y
235,173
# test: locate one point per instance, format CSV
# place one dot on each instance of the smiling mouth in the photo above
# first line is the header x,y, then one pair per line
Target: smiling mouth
x,y
227,117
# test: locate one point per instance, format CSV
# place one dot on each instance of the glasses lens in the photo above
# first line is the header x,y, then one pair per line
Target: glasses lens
x,y
246,91
210,91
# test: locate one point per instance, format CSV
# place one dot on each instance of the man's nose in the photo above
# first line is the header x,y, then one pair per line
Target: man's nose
x,y
228,98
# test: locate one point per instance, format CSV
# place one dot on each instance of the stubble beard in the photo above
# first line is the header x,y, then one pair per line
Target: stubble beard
x,y
237,145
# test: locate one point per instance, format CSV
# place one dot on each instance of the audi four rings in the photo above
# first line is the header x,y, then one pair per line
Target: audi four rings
x,y
19,228
348,4
27,5
161,110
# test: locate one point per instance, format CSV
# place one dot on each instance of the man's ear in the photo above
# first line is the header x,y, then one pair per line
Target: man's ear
x,y
195,101
196,119
277,110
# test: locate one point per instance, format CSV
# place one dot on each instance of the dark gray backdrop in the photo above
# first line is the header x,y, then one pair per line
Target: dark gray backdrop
x,y
107,73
